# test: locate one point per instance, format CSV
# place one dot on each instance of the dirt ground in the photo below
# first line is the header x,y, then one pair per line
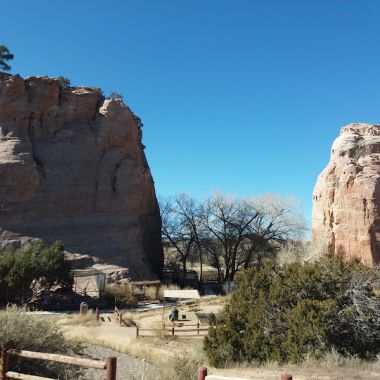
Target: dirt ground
x,y
154,349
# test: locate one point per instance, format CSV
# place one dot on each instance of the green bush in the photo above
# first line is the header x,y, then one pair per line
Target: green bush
x,y
296,311
36,266
24,331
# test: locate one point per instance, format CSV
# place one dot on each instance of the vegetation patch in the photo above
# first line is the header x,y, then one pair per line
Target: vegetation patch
x,y
24,331
29,271
298,311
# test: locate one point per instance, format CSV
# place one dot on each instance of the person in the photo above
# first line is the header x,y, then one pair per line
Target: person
x,y
173,316
176,314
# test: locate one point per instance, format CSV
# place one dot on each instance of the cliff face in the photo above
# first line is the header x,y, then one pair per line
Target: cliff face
x,y
346,199
72,168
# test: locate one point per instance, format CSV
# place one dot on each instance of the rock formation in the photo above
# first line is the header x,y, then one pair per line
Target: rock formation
x,y
346,199
72,168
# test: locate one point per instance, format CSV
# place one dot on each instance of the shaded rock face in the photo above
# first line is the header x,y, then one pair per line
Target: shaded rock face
x,y
346,198
72,168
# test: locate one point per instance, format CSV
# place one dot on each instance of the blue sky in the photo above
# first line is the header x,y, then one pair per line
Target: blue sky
x,y
242,96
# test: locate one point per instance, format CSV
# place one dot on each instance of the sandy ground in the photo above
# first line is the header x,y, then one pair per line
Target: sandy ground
x,y
123,340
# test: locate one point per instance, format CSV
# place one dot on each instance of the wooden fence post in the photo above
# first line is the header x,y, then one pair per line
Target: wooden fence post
x,y
137,332
111,368
286,376
3,363
202,373
198,327
172,331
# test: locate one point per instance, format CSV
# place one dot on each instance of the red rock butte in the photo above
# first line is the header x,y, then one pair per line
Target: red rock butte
x,y
73,168
346,198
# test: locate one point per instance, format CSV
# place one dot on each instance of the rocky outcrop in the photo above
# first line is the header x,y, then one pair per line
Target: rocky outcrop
x,y
346,199
72,168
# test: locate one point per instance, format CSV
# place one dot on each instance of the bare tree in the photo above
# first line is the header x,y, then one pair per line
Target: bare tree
x,y
179,226
240,232
225,223
234,233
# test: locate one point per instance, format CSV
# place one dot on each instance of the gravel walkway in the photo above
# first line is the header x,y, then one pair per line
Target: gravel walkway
x,y
128,367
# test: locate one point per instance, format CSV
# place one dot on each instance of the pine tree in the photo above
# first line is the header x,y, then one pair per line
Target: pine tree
x,y
5,56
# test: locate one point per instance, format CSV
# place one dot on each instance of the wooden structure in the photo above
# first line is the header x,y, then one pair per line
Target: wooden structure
x,y
119,317
139,289
179,329
202,375
5,355
89,282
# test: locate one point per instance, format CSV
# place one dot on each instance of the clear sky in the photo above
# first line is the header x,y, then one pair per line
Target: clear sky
x,y
243,96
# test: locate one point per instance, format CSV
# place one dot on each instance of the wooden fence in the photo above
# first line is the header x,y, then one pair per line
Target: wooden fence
x,y
119,316
174,329
202,375
109,365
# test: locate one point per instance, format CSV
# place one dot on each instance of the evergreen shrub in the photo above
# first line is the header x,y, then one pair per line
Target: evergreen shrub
x,y
298,311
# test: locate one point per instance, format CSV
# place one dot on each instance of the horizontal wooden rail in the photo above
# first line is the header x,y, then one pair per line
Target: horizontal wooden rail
x,y
119,317
183,324
175,330
187,330
60,358
22,376
202,375
172,331
109,365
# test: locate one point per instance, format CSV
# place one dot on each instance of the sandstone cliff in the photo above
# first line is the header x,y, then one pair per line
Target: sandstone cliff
x,y
72,168
346,199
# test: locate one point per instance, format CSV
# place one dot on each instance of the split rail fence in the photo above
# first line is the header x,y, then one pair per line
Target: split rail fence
x,y
173,330
119,316
202,375
109,365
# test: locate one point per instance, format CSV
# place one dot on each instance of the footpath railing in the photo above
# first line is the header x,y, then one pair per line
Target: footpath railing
x,y
119,316
109,365
174,330
202,375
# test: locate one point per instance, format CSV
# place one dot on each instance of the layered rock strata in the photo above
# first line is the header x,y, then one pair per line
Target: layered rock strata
x,y
73,168
346,198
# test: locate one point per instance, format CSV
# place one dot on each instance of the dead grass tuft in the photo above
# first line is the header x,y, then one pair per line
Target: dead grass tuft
x,y
78,320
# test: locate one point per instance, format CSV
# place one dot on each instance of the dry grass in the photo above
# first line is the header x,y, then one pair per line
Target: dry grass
x,y
171,356
78,320
123,293
178,358
151,293
332,367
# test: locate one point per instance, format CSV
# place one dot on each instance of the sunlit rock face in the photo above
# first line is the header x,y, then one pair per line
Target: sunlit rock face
x,y
72,168
346,198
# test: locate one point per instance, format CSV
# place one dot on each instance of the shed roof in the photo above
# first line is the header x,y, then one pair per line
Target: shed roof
x,y
183,294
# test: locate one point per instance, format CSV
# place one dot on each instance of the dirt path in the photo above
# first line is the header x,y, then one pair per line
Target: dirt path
x,y
128,367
